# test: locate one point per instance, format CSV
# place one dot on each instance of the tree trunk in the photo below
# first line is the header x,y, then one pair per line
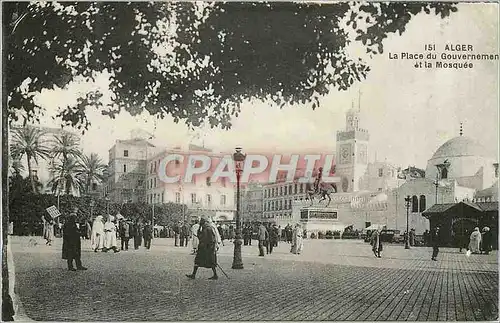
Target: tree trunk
x,y
7,305
30,173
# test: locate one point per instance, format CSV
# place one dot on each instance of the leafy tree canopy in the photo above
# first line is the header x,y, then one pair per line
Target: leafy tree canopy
x,y
194,61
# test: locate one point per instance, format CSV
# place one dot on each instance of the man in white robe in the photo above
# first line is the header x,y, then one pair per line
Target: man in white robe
x,y
194,234
475,241
297,240
110,241
216,232
97,235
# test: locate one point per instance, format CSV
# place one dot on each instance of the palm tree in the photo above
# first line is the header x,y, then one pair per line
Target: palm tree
x,y
91,170
64,147
65,176
27,141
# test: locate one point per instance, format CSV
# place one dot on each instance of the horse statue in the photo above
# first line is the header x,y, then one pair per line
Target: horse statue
x,y
320,189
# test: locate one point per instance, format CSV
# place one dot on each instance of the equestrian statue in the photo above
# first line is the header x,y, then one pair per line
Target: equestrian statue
x,y
320,189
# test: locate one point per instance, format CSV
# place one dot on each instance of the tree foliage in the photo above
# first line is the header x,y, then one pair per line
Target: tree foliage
x,y
194,61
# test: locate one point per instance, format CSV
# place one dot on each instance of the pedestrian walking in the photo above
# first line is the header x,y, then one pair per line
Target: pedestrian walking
x,y
376,243
72,247
463,240
435,238
177,232
194,234
185,233
206,255
48,230
475,241
148,235
110,240
297,240
262,236
486,240
124,234
412,237
273,238
97,236
137,234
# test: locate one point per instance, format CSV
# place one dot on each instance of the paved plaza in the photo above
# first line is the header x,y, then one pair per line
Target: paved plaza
x,y
332,280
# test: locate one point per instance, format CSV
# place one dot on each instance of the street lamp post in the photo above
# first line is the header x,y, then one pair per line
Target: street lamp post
x,y
91,208
107,205
407,238
239,158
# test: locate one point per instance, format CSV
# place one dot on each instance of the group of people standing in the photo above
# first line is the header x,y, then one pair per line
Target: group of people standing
x,y
104,234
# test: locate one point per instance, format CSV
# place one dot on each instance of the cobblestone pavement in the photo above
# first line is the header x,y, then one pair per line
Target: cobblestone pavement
x,y
331,280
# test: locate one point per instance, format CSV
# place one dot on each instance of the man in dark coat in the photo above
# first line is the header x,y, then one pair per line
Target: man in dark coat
x,y
273,238
124,234
435,242
137,234
185,231
486,240
177,231
72,248
148,235
206,255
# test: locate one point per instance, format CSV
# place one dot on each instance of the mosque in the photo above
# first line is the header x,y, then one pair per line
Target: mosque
x,y
372,194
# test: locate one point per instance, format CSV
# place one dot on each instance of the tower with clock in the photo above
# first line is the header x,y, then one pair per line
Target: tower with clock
x,y
351,152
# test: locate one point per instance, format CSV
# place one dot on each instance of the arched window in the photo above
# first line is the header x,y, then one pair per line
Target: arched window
x,y
414,203
444,173
422,203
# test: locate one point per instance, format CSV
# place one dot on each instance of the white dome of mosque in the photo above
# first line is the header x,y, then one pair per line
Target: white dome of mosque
x,y
459,146
467,162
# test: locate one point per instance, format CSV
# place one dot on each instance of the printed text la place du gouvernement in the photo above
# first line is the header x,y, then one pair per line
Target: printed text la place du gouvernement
x,y
449,56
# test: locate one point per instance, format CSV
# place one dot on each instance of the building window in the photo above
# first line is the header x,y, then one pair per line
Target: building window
x,y
208,181
209,199
286,204
295,190
125,153
422,203
414,204
380,172
177,197
163,197
193,198
286,190
124,168
281,204
301,188
155,182
444,173
223,200
281,191
94,186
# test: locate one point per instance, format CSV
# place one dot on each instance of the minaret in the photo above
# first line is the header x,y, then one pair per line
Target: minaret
x,y
352,150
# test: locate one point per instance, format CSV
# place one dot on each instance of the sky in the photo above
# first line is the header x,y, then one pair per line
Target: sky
x,y
408,112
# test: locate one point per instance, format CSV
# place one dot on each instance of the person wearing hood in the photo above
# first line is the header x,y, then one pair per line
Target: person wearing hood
x,y
72,247
206,255
297,241
110,241
194,234
216,231
97,235
475,241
